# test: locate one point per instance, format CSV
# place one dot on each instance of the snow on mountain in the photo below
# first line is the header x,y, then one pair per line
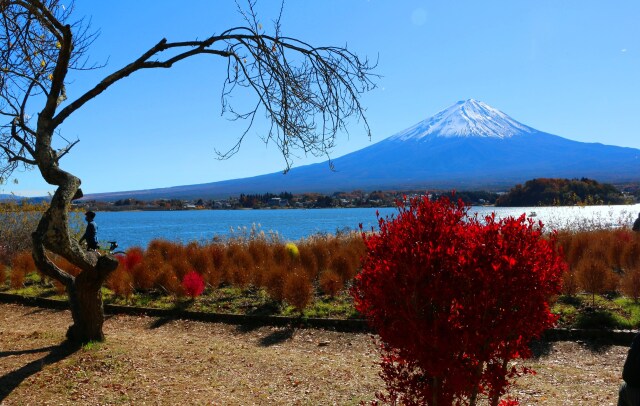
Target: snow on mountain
x,y
468,146
468,118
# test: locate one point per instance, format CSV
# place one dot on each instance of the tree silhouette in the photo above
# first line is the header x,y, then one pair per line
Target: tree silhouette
x,y
307,93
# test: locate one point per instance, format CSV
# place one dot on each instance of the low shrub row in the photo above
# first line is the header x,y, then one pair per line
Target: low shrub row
x,y
600,261
322,265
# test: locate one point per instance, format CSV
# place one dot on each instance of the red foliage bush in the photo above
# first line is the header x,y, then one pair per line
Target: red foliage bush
x,y
193,284
454,299
132,258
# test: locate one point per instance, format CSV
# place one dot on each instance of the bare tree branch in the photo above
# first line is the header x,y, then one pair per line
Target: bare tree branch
x,y
307,94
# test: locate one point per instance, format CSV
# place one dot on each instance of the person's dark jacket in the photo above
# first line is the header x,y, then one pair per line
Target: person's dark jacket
x,y
631,369
91,235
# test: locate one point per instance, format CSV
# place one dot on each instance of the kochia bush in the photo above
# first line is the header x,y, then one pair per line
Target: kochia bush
x,y
193,284
454,299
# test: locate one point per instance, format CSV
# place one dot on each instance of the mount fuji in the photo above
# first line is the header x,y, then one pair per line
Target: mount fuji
x,y
468,146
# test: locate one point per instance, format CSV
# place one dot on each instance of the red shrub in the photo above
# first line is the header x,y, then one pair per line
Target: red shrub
x,y
455,299
193,284
132,258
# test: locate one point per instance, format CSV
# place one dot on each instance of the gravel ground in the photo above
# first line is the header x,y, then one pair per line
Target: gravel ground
x,y
167,362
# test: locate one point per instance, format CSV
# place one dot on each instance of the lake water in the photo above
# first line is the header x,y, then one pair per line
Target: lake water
x,y
140,227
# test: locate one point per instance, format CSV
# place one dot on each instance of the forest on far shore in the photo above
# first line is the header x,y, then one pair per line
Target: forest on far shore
x,y
563,192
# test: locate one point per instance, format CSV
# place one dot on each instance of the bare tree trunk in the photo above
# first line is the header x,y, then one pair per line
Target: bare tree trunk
x,y
53,234
495,399
85,299
436,391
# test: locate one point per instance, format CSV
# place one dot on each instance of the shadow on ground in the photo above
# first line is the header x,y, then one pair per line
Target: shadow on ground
x,y
543,348
13,379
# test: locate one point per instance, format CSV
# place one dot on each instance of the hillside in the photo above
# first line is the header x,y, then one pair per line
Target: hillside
x,y
561,192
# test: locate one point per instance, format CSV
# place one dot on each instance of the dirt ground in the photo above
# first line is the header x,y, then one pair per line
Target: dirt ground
x,y
151,361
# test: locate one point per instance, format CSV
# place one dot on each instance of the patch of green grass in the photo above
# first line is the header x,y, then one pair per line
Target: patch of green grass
x,y
567,313
340,306
587,311
578,311
91,346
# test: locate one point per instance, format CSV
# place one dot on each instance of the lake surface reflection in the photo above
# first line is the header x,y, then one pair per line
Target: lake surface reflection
x,y
139,228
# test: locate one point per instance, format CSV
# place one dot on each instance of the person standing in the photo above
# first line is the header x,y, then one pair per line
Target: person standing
x,y
629,394
91,233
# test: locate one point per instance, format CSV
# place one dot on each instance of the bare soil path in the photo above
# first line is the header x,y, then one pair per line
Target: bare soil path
x,y
151,361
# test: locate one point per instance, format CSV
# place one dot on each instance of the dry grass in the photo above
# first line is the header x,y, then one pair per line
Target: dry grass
x,y
167,362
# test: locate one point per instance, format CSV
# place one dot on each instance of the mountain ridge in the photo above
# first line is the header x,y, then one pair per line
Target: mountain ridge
x,y
469,146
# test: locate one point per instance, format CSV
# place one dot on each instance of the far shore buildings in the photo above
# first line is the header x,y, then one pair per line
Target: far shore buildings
x,y
278,202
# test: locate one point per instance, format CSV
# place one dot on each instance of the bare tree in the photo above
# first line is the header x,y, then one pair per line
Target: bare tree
x,y
306,92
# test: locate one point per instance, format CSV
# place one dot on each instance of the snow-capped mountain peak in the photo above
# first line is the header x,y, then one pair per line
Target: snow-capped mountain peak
x,y
468,118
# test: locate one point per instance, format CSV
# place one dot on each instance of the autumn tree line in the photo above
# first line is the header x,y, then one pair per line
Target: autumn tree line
x,y
563,192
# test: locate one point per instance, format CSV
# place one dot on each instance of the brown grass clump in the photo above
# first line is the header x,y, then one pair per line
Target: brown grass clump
x,y
573,245
4,272
216,253
630,283
297,289
308,259
181,266
21,265
199,259
321,252
330,282
240,265
594,275
343,267
120,281
168,281
166,249
274,282
280,255
570,285
260,251
631,252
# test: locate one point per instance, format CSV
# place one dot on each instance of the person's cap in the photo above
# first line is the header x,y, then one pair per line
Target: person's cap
x,y
90,214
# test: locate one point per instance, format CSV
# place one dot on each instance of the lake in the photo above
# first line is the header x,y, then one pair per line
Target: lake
x,y
138,228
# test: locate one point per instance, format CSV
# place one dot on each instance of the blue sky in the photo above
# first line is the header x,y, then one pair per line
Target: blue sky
x,y
570,68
